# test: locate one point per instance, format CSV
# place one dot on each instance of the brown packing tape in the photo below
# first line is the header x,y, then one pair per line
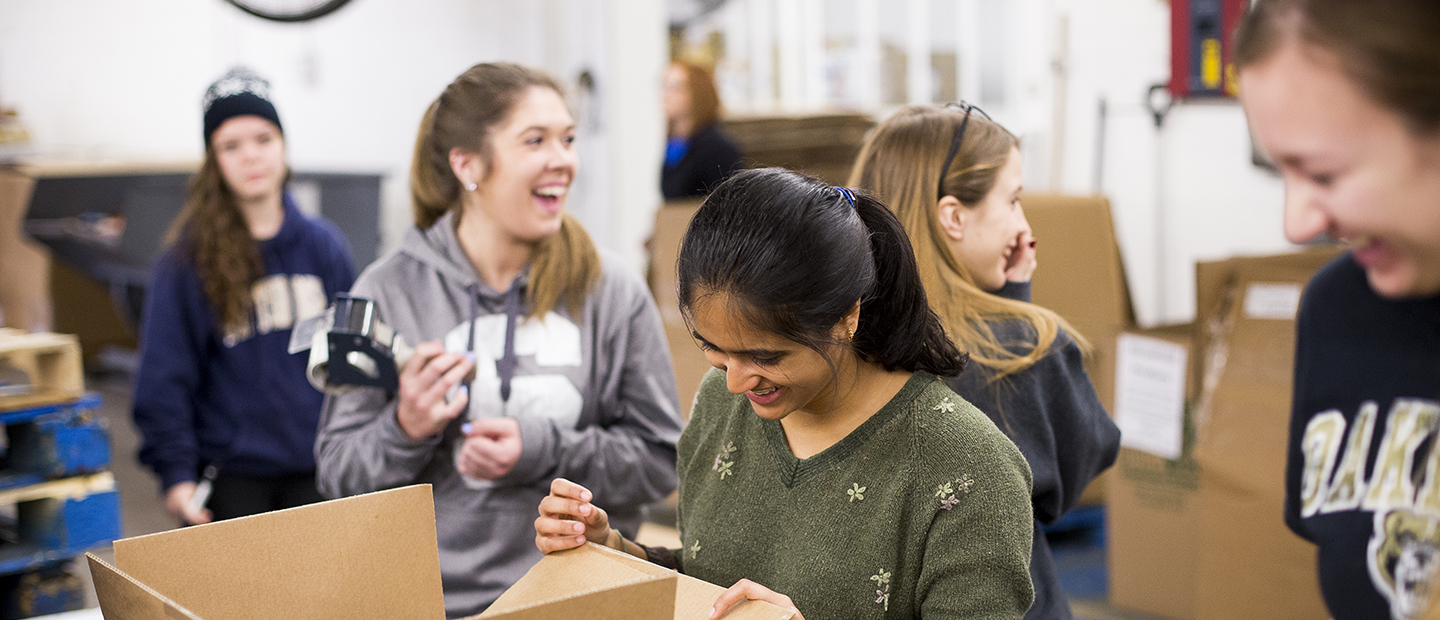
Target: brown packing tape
x,y
123,598
369,556
593,568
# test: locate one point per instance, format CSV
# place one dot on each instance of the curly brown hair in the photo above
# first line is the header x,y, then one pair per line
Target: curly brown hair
x,y
212,233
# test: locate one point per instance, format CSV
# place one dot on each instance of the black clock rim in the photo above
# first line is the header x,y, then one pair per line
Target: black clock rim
x,y
317,12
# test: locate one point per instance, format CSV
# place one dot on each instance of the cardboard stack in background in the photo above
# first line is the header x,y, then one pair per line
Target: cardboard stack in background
x,y
821,145
24,264
690,365
1153,517
1203,537
372,557
1080,277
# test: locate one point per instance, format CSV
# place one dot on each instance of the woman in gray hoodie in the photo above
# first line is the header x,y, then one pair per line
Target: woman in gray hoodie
x,y
540,356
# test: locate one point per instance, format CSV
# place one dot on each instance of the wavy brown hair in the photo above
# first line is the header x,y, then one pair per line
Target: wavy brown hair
x,y
900,164
212,233
565,265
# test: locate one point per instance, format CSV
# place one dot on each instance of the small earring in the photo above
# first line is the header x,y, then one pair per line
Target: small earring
x,y
470,187
852,333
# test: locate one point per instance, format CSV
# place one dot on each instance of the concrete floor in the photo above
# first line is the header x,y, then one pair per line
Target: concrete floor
x,y
1080,558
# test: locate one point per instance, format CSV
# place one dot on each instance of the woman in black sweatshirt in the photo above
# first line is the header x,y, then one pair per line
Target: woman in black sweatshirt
x,y
952,176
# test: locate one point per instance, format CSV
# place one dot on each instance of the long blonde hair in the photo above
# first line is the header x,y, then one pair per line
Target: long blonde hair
x,y
565,265
900,164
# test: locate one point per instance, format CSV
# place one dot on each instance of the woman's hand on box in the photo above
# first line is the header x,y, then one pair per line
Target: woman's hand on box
x,y
568,519
429,375
746,590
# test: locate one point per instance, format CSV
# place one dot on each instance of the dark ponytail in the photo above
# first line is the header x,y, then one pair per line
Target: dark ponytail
x,y
897,327
793,255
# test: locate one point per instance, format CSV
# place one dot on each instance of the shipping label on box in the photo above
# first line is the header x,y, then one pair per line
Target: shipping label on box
x,y
1150,394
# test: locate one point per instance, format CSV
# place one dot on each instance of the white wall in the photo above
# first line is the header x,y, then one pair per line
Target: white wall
x,y
97,78
1182,193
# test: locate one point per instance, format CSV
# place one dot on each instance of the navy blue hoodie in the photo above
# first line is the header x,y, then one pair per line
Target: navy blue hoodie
x,y
236,398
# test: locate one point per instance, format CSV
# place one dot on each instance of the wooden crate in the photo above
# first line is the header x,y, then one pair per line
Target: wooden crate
x,y
50,361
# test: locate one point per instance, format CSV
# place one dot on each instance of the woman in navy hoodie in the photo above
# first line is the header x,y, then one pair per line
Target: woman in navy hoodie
x,y
218,396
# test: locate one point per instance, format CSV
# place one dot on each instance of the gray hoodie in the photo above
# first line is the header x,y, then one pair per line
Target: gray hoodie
x,y
593,393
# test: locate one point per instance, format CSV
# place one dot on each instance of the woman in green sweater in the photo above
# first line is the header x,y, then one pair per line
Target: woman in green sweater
x,y
826,468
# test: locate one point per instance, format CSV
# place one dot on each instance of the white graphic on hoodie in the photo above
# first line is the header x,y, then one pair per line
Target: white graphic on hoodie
x,y
552,341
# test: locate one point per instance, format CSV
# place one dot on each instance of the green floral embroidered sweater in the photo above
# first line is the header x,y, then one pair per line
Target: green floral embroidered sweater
x,y
921,512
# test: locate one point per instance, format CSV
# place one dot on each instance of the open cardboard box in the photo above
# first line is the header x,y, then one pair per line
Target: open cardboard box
x,y
371,556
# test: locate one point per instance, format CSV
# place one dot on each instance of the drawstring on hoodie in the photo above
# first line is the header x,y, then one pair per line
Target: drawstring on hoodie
x,y
507,363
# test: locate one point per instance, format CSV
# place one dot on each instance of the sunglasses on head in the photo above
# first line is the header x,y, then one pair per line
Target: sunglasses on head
x,y
967,108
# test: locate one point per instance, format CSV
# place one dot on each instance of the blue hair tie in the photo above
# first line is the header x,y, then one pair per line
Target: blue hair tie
x,y
849,197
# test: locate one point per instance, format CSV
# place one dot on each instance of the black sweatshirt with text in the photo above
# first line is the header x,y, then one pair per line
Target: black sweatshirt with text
x,y
1363,474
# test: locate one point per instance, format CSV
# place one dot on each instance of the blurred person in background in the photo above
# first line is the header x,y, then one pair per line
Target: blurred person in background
x,y
539,356
697,154
826,468
1344,98
218,396
953,178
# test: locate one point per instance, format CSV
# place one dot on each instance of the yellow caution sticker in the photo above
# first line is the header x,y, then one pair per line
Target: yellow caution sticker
x,y
1210,63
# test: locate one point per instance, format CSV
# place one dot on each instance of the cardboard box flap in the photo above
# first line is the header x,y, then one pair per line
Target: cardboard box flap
x,y
369,556
123,598
650,599
594,569
582,571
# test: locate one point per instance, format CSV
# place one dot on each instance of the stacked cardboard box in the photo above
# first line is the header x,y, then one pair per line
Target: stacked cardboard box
x,y
1202,536
690,365
821,145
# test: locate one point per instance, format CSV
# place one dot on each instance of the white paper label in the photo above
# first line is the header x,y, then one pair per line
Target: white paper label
x,y
1272,300
1150,394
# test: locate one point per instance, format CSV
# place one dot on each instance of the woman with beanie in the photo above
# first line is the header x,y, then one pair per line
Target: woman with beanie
x,y
218,397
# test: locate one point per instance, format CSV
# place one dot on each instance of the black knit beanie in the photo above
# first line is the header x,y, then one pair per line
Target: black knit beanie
x,y
238,93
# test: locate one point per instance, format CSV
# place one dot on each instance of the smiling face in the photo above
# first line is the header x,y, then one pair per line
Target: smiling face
x,y
251,154
778,375
1352,169
990,232
531,166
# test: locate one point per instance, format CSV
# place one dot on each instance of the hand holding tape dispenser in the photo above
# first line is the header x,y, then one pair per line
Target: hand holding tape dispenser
x,y
350,346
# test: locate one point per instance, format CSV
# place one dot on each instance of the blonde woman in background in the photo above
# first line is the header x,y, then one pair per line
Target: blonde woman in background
x,y
540,356
953,178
